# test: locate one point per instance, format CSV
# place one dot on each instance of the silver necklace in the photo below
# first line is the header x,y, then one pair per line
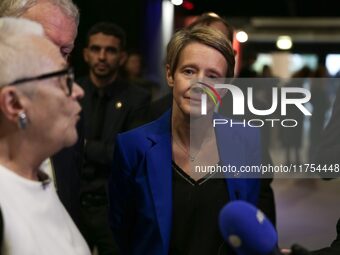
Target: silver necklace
x,y
191,157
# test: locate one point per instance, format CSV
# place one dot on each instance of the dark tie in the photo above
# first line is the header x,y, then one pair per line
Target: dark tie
x,y
98,114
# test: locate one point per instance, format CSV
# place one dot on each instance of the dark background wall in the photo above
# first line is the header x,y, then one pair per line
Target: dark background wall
x,y
128,14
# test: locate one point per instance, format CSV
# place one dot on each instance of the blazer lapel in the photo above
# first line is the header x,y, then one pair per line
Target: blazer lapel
x,y
159,173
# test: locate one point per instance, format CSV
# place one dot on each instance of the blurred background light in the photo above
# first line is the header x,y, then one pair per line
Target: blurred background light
x,y
241,36
176,2
188,5
284,42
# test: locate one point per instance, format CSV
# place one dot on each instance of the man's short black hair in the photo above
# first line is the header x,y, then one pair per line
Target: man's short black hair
x,y
108,29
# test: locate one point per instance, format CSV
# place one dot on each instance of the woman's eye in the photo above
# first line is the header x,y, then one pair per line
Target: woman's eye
x,y
212,76
188,72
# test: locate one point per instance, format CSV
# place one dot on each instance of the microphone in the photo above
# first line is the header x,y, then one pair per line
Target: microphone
x,y
249,232
247,229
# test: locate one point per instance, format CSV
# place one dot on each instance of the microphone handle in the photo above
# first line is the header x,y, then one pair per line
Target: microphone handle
x,y
276,251
299,250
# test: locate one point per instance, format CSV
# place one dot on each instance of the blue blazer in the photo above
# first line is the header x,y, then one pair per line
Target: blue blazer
x,y
140,186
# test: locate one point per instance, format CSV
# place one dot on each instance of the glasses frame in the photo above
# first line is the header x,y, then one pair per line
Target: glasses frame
x,y
67,71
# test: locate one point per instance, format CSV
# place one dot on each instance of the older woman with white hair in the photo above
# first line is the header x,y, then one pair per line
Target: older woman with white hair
x,y
39,110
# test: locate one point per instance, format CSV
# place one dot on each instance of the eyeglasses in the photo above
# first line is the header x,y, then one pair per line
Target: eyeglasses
x,y
68,72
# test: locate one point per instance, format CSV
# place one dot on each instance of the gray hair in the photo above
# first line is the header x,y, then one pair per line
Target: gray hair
x,y
17,8
13,26
19,58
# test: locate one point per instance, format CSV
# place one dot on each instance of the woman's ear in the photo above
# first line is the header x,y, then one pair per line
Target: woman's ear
x,y
11,103
169,76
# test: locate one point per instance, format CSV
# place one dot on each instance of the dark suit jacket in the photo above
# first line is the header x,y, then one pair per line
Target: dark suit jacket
x,y
334,249
1,230
140,187
66,166
158,107
328,152
123,100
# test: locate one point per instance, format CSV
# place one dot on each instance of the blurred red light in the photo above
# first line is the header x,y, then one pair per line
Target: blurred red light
x,y
188,5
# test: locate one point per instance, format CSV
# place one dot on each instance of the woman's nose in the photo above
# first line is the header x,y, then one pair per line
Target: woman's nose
x,y
77,91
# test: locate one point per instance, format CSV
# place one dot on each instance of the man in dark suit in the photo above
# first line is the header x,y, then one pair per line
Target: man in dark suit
x,y
328,153
108,106
334,249
60,19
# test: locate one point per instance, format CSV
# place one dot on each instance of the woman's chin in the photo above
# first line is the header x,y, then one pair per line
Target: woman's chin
x,y
70,140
